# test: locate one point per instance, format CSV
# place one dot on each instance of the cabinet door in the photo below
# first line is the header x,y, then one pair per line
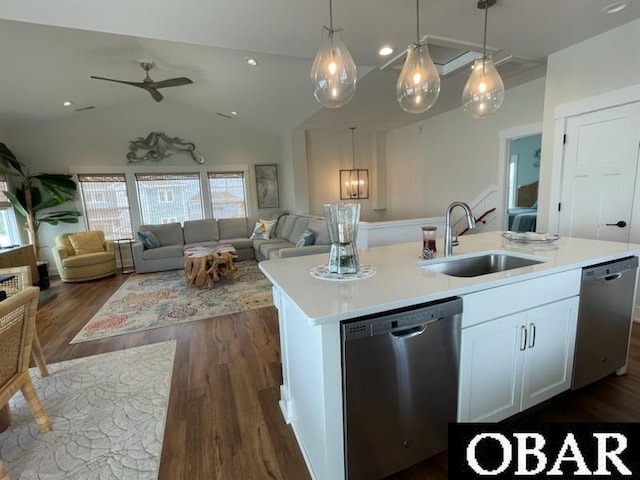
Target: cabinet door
x,y
491,365
548,363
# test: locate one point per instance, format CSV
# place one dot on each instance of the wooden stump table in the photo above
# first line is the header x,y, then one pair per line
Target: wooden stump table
x,y
203,266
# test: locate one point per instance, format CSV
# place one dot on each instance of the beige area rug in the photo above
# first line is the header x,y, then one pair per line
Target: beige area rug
x,y
153,300
108,414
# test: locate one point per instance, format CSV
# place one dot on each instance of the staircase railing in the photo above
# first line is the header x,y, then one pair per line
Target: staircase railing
x,y
480,220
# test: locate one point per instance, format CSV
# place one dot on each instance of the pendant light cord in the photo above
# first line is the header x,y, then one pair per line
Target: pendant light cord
x,y
331,16
484,39
417,22
353,146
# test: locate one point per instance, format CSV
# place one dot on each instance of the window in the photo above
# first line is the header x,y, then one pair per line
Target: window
x,y
95,197
8,226
181,189
228,199
165,196
106,204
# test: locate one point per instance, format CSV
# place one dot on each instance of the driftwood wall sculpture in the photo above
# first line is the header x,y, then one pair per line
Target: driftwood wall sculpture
x,y
157,146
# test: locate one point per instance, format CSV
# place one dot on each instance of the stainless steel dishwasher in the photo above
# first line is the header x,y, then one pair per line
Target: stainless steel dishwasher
x,y
604,319
400,385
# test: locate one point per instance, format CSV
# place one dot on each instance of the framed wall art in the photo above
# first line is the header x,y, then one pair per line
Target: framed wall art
x,y
267,186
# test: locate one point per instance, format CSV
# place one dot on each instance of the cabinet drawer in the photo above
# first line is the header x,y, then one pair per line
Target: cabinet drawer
x,y
500,301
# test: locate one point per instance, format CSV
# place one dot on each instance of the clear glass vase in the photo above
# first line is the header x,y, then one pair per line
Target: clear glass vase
x,y
342,221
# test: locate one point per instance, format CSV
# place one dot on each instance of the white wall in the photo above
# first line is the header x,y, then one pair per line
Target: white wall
x,y
330,151
452,156
604,63
294,175
101,138
426,165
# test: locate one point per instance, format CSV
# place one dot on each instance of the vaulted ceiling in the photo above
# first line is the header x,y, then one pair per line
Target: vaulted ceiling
x,y
49,51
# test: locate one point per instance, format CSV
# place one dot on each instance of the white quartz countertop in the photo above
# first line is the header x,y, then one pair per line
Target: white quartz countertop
x,y
400,281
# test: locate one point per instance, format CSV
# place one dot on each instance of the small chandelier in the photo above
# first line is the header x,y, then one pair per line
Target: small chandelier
x,y
354,183
484,91
418,85
333,73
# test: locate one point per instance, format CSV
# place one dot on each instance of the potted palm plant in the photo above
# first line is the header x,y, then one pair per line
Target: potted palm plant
x,y
37,193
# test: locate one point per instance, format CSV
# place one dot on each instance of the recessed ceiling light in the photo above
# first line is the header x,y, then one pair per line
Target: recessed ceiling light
x,y
251,61
67,103
614,7
385,51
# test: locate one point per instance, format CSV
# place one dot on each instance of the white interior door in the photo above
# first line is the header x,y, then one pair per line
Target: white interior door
x,y
599,177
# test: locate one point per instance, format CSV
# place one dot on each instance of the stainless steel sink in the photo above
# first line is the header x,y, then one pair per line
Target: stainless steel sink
x,y
482,264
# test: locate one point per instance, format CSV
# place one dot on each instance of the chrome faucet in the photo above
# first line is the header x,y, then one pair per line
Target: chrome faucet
x,y
471,222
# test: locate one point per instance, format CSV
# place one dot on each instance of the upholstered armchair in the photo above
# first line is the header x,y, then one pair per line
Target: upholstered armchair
x,y
17,328
84,256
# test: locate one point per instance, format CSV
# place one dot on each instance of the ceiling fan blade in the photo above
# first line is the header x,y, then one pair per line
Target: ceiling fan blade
x,y
135,84
171,82
157,96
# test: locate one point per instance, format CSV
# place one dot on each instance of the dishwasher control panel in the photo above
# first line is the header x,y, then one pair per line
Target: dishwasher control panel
x,y
609,268
401,319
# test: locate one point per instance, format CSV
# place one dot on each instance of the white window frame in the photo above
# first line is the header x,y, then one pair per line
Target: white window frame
x,y
244,186
84,200
203,170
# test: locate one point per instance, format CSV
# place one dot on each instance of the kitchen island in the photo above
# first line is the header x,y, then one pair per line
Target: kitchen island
x,y
311,311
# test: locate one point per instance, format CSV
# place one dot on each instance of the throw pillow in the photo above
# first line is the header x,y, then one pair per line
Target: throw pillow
x,y
86,242
263,229
149,239
307,238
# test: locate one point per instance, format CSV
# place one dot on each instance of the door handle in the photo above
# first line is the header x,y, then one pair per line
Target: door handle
x,y
523,338
532,337
619,224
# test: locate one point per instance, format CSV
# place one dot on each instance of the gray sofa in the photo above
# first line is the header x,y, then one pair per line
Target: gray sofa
x,y
175,239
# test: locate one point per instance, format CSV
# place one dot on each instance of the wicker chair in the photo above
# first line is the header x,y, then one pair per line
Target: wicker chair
x,y
17,329
21,280
74,267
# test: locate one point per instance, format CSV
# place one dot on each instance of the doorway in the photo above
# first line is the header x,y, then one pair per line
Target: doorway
x,y
522,176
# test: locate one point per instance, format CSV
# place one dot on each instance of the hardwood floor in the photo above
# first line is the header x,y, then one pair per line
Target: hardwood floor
x,y
223,420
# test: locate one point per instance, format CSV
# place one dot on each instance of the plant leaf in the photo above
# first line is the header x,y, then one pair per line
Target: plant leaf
x,y
62,213
55,192
15,203
56,181
50,203
55,221
8,156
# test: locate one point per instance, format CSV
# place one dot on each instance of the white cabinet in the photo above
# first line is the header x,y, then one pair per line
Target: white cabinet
x,y
514,362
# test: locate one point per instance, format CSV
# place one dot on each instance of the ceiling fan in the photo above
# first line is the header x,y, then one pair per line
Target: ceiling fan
x,y
149,85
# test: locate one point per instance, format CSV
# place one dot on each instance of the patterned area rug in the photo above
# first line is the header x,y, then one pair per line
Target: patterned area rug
x,y
108,414
152,300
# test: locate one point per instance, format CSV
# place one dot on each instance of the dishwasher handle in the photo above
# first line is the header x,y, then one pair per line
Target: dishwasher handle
x,y
402,323
610,271
409,332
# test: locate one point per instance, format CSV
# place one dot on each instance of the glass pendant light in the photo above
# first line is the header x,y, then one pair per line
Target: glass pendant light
x,y
333,73
418,86
484,91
